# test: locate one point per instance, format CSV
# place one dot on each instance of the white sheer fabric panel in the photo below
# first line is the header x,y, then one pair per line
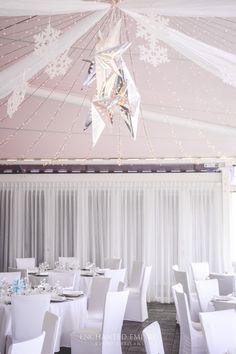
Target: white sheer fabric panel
x,y
30,65
218,62
182,8
157,221
48,7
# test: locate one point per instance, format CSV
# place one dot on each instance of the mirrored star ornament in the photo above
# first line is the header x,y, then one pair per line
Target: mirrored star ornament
x,y
116,93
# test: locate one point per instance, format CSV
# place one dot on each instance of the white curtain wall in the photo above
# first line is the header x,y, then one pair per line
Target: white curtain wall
x,y
161,219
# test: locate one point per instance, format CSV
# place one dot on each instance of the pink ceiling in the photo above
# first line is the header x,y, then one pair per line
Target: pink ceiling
x,y
45,128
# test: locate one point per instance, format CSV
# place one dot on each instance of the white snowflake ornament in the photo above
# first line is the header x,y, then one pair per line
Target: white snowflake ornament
x,y
59,66
154,54
16,98
44,39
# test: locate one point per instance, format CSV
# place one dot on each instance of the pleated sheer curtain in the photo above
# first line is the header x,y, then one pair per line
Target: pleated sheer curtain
x,y
160,219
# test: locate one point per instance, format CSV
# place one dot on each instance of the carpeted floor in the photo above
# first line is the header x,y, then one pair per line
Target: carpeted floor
x,y
132,331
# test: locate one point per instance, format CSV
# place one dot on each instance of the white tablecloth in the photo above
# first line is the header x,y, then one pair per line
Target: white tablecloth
x,y
72,312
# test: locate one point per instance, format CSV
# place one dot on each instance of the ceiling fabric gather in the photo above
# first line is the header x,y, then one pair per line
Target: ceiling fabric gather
x,y
216,61
182,8
31,64
48,7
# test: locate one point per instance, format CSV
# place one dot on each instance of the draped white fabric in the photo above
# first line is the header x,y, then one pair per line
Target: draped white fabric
x,y
214,60
183,8
157,219
48,7
30,65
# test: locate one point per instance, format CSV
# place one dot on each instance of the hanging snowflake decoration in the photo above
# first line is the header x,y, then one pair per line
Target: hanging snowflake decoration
x,y
154,54
228,78
59,66
16,98
44,39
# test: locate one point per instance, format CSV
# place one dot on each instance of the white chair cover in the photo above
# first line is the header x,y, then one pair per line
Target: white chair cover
x,y
32,346
226,283
191,339
9,277
116,276
50,327
100,287
113,263
182,278
153,339
24,272
66,279
219,328
206,290
28,313
25,263
136,274
136,309
200,270
106,339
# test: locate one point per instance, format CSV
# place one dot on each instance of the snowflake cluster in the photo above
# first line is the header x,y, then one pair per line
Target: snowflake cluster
x,y
229,79
16,98
44,39
59,66
153,54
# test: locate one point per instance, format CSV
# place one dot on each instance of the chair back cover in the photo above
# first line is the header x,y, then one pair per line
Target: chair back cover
x,y
182,278
113,263
114,312
116,276
183,312
153,339
200,270
145,281
100,287
32,346
219,329
206,290
50,327
28,313
136,274
66,279
25,263
226,283
177,287
24,272
9,277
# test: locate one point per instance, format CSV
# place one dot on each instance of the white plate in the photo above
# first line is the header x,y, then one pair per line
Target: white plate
x,y
224,298
72,293
58,298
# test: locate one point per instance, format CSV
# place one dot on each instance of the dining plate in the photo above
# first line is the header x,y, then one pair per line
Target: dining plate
x,y
72,293
58,298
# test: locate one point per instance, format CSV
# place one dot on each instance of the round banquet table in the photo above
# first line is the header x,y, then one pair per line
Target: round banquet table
x,y
73,313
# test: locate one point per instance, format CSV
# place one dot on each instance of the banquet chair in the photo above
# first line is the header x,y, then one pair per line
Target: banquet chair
x,y
226,282
25,263
136,274
116,276
219,329
206,290
200,270
136,309
191,335
112,263
23,272
66,279
99,289
182,278
28,313
9,277
68,260
50,327
107,338
153,339
32,346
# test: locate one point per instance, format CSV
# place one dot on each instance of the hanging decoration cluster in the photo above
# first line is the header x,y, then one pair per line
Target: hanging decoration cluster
x,y
16,98
154,53
116,91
